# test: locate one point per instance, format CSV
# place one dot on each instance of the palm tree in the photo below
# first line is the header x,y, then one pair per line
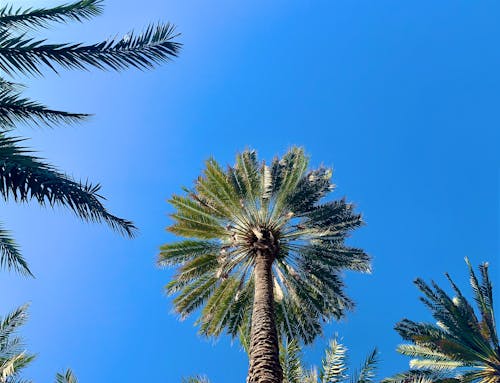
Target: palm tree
x,y
13,357
262,254
463,345
24,177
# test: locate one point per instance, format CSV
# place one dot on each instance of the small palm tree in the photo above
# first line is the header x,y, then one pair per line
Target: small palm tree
x,y
196,379
463,345
13,357
263,253
333,368
24,177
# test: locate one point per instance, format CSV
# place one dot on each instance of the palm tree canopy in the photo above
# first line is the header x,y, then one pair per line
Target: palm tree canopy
x,y
463,344
232,213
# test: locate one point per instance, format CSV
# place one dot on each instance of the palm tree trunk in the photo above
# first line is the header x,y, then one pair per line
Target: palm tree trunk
x,y
264,349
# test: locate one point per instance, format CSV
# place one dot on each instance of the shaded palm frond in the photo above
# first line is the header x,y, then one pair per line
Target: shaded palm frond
x,y
367,371
67,377
13,357
10,255
24,177
334,367
11,17
290,359
16,109
22,54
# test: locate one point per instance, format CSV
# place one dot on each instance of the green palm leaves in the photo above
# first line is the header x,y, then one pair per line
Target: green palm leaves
x,y
13,357
333,367
464,343
232,213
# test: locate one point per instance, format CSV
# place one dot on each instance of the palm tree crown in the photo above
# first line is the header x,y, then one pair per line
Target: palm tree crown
x,y
255,217
463,345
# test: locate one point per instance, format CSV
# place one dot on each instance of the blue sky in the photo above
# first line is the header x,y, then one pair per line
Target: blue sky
x,y
400,97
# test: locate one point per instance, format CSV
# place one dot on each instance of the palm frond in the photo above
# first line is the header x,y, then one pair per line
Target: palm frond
x,y
16,109
22,54
11,322
10,255
179,253
25,177
13,358
67,377
196,379
291,364
420,376
483,296
367,370
11,17
334,363
9,86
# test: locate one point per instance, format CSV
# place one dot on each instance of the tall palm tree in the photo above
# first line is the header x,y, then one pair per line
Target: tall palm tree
x,y
13,357
463,345
23,176
262,253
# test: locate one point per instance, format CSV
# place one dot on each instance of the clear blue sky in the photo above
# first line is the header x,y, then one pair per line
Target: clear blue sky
x,y
400,97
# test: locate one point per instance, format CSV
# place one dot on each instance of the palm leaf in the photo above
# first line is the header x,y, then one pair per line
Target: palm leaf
x,y
40,17
334,363
10,255
16,109
24,177
367,370
290,362
22,54
67,377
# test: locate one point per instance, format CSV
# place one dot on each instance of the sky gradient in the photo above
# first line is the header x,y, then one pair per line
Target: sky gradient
x,y
399,97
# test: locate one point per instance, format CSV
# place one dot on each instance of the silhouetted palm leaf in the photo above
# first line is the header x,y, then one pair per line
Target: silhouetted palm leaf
x,y
23,54
11,17
10,255
16,109
24,177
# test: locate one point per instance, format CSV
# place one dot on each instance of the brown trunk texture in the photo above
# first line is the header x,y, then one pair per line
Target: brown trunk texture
x,y
264,350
